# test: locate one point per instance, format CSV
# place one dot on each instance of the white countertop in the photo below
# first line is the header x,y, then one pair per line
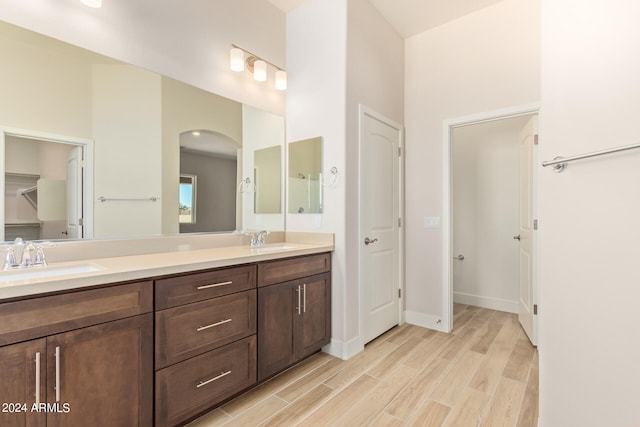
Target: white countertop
x,y
134,267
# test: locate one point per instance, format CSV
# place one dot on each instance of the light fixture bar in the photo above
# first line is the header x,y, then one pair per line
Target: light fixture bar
x,y
257,57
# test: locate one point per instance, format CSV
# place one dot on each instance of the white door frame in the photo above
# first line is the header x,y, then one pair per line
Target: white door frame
x,y
88,147
448,126
362,112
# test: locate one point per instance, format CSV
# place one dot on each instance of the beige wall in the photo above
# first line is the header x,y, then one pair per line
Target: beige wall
x,y
186,108
42,89
589,350
190,43
128,161
486,61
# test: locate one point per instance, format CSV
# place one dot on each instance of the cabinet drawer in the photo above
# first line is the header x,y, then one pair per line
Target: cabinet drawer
x,y
174,291
271,272
192,329
38,317
188,388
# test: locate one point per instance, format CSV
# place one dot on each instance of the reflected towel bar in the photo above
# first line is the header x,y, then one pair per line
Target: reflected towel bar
x,y
123,199
560,163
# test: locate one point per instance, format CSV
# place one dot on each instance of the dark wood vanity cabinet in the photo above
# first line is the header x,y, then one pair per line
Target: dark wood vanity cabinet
x,y
294,317
159,351
87,358
205,340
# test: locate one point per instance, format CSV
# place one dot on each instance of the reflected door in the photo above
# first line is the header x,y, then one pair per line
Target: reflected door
x,y
74,194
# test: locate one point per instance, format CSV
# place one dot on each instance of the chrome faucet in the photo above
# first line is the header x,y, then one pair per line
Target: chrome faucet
x,y
262,237
26,260
258,238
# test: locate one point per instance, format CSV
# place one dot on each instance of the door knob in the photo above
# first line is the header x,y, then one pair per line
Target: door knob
x,y
516,237
368,241
459,257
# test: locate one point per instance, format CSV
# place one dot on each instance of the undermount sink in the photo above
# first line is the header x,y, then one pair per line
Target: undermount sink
x,y
273,248
46,272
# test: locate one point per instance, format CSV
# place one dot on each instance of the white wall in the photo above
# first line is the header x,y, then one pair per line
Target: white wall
x,y
375,79
189,42
316,66
340,53
482,62
485,212
589,346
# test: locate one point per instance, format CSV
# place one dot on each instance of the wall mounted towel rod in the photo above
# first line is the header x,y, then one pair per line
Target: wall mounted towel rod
x,y
560,163
124,199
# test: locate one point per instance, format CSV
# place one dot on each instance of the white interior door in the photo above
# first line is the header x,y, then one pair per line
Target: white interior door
x,y
74,194
527,235
379,219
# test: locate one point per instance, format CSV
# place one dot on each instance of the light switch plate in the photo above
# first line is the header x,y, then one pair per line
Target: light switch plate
x,y
431,221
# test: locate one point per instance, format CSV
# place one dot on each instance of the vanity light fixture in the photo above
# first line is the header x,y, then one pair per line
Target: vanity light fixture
x,y
256,65
92,3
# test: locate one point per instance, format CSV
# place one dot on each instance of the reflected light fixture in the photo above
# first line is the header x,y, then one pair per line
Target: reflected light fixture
x,y
236,59
255,65
92,3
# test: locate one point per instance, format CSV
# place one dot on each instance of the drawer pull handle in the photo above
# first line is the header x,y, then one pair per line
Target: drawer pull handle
x,y
37,378
215,285
222,322
57,387
203,383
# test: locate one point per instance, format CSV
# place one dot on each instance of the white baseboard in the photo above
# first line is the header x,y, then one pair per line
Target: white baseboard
x,y
344,350
425,320
486,302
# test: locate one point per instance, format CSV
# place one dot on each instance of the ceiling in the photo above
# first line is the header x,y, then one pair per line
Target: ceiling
x,y
411,17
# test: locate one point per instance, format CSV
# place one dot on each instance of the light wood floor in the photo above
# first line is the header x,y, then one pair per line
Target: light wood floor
x,y
483,374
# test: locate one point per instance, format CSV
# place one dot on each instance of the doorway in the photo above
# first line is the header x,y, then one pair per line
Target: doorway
x,y
47,184
488,180
380,228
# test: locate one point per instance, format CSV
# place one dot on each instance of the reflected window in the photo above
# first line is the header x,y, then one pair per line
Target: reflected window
x,y
187,199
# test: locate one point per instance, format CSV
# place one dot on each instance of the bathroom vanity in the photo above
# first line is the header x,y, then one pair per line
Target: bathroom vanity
x,y
163,348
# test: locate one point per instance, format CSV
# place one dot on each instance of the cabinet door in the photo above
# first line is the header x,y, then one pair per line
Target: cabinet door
x,y
314,330
23,368
277,305
102,375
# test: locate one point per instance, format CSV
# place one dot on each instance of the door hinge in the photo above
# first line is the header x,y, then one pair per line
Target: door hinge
x,y
399,222
80,222
399,151
399,293
535,309
535,224
535,139
81,164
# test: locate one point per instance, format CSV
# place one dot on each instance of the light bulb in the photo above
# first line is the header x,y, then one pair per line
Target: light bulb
x,y
281,80
260,70
236,59
92,3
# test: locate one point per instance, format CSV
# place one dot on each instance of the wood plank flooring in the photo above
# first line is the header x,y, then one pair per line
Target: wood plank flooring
x,y
483,374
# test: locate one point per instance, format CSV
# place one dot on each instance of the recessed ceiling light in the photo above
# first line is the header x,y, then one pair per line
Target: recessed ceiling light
x,y
92,3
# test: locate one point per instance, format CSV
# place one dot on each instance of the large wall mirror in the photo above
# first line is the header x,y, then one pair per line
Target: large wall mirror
x,y
133,135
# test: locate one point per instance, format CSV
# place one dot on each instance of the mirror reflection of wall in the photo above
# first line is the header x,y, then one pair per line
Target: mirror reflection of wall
x,y
263,200
43,189
132,119
213,158
305,176
266,176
